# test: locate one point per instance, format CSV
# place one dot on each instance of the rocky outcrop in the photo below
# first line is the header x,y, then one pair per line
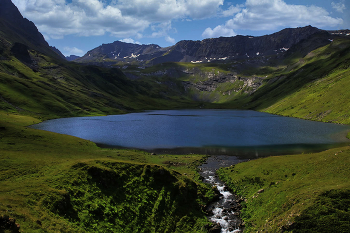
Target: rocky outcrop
x,y
248,85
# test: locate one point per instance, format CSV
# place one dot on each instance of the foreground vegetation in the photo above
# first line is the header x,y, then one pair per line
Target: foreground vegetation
x,y
295,193
57,183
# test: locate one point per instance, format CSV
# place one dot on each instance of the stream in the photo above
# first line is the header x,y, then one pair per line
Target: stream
x,y
225,210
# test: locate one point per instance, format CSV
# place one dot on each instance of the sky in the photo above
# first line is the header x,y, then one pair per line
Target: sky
x,y
77,26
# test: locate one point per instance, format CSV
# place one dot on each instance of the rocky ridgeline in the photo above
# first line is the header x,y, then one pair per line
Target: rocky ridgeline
x,y
222,49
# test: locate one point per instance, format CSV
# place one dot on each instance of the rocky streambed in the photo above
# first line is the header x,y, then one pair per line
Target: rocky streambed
x,y
224,211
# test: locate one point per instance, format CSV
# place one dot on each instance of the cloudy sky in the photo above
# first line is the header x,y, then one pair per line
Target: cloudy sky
x,y
77,26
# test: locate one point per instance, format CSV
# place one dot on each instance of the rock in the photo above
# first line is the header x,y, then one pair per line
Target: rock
x,y
215,229
8,224
261,191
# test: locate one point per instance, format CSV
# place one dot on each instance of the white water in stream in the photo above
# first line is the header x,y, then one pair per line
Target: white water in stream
x,y
223,210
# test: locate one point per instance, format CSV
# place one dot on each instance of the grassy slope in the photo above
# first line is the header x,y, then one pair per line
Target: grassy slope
x,y
57,183
308,192
313,87
302,193
67,89
63,167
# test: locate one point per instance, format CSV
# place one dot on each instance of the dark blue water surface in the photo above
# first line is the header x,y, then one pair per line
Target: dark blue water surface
x,y
203,131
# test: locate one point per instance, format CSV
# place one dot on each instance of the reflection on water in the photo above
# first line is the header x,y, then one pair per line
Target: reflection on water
x,y
231,132
245,152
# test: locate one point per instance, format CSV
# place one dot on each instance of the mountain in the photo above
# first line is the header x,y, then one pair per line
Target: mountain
x,y
89,189
72,58
14,28
120,51
239,47
58,52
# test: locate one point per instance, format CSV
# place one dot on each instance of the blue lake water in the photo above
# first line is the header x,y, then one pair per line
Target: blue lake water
x,y
231,132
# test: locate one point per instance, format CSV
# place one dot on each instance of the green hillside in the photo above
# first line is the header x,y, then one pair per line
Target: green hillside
x,y
294,193
307,192
57,183
313,87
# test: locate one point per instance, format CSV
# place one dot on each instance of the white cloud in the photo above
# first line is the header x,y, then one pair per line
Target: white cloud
x,y
73,51
162,30
164,10
232,10
129,40
217,32
273,14
122,18
340,6
170,40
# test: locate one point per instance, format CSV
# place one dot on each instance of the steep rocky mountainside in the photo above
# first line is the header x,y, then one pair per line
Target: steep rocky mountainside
x,y
262,49
14,28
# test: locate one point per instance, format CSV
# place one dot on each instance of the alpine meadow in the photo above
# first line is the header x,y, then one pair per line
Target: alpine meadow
x,y
52,182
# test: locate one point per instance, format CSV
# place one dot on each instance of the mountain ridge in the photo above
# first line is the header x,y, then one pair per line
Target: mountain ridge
x,y
16,28
221,49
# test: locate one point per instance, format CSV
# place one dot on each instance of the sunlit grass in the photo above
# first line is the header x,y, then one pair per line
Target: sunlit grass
x,y
291,186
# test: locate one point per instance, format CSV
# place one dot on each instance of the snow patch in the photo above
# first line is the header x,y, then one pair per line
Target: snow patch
x,y
132,56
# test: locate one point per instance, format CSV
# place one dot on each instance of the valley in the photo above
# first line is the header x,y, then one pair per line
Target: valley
x,y
57,183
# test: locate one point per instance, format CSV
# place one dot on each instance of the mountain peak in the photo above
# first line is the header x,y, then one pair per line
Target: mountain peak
x,y
9,12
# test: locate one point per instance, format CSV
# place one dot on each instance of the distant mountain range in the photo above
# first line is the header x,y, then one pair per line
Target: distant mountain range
x,y
260,48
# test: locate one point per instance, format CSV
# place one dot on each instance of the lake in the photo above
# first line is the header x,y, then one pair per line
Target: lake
x,y
227,132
